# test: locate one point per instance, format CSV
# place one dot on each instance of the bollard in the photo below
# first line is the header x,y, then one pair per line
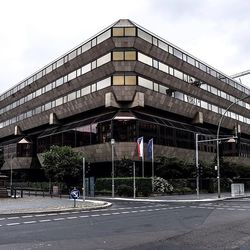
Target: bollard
x,y
15,193
21,193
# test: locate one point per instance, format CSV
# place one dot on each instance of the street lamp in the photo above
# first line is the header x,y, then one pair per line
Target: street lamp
x,y
112,142
218,140
197,141
83,180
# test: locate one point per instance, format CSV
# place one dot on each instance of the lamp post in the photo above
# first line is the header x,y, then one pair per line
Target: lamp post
x,y
197,165
83,180
112,142
218,141
197,141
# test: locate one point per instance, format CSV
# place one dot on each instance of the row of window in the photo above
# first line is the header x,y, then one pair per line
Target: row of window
x,y
116,56
116,32
71,55
122,131
124,79
189,59
189,79
76,73
190,99
59,101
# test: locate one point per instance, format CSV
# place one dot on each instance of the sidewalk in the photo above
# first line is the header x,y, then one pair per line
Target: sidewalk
x,y
39,204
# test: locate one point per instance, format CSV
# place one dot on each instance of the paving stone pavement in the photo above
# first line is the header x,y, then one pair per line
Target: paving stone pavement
x,y
37,204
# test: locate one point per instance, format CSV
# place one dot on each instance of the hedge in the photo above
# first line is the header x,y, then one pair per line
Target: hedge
x,y
143,185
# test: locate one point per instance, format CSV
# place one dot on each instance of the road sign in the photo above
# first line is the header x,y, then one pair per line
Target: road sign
x,y
75,194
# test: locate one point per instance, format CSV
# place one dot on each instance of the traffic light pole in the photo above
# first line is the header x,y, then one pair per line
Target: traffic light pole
x,y
197,165
134,179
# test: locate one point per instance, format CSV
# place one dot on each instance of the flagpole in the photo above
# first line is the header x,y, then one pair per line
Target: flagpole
x,y
153,169
142,158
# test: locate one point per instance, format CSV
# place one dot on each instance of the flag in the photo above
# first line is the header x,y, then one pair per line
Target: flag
x,y
140,146
150,149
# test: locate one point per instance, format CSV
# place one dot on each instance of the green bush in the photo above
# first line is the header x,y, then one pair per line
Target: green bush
x,y
184,190
143,185
124,190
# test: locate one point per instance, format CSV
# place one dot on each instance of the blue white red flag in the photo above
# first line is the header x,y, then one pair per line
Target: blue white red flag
x,y
150,149
140,146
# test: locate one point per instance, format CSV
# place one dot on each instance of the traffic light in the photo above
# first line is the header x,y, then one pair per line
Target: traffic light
x,y
201,170
130,170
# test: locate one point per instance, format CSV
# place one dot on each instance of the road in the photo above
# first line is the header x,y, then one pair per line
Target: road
x,y
133,225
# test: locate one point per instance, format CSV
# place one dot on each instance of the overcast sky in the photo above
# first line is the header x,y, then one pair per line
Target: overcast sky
x,y
34,33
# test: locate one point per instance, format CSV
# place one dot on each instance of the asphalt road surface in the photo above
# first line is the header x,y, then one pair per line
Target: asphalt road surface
x,y
133,225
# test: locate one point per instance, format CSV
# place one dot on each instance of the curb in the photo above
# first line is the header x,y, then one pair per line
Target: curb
x,y
177,201
103,205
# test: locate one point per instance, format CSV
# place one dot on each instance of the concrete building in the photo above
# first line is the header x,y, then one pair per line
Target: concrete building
x,y
123,83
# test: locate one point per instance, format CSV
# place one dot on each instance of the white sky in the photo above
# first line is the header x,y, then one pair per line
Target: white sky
x,y
34,33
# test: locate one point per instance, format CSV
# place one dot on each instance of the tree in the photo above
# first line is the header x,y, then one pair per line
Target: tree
x,y
173,168
1,158
124,167
62,164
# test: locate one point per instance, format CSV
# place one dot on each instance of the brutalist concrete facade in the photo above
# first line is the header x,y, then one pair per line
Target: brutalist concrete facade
x,y
89,92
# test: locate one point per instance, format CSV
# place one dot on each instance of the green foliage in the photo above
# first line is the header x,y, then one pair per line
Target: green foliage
x,y
183,190
172,168
62,164
124,167
1,158
234,170
125,190
143,185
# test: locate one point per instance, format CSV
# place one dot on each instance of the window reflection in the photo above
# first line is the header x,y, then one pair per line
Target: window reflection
x,y
118,31
118,80
130,31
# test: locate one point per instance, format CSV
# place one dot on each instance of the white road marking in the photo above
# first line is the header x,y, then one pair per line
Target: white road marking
x,y
13,224
27,216
58,219
45,220
72,217
30,222
13,218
